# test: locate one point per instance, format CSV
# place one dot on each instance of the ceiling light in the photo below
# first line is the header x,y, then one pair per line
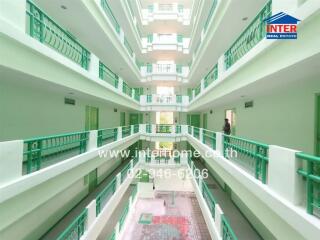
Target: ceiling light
x,y
63,7
245,19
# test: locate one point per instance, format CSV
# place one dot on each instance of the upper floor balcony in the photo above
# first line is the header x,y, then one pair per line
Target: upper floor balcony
x,y
167,11
166,42
164,72
157,102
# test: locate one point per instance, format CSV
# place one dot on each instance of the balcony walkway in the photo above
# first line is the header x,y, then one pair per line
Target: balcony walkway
x,y
240,225
60,226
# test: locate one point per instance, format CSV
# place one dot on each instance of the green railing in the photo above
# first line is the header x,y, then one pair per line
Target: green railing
x,y
125,171
196,132
178,98
148,128
123,216
76,229
113,235
213,7
107,75
189,129
58,147
150,38
180,8
48,32
311,174
126,131
128,47
177,160
197,90
179,38
107,135
162,159
162,128
149,68
211,76
209,138
104,196
149,98
105,6
126,89
178,128
251,155
250,37
136,128
207,195
227,232
136,96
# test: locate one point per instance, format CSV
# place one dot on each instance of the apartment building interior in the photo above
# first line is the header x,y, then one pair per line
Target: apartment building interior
x,y
81,80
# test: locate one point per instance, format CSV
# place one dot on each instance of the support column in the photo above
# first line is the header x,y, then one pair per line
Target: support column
x,y
200,134
219,143
218,218
91,208
282,174
93,140
11,156
119,133
118,180
94,66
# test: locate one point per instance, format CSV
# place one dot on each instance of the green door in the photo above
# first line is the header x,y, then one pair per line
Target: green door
x,y
122,119
205,121
91,118
92,177
195,120
231,115
318,127
134,118
141,118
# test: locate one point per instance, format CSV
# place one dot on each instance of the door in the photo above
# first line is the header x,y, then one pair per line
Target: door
x,y
195,120
205,121
122,119
92,180
134,118
318,126
231,115
92,118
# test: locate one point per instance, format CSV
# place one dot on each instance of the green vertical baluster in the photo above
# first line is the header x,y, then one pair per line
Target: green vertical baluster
x,y
309,188
41,27
38,153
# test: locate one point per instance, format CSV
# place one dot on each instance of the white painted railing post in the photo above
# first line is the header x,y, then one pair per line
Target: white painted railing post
x,y
282,174
200,183
202,85
119,133
154,128
91,208
94,66
131,129
219,142
120,84
117,231
200,134
131,164
218,218
142,128
118,180
11,155
192,130
93,140
221,66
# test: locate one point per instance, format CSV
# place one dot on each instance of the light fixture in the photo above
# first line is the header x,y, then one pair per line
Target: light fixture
x,y
63,7
245,19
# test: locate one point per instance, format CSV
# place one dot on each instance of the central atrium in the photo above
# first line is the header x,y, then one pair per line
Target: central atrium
x,y
159,119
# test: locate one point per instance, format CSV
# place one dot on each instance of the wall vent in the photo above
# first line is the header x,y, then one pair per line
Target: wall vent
x,y
69,101
248,104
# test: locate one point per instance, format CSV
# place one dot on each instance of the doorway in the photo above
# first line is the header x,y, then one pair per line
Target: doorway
x,y
193,120
205,121
230,114
122,119
92,179
92,118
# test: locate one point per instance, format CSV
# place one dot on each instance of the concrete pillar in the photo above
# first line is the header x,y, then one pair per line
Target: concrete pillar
x,y
118,180
117,231
11,156
221,66
219,143
200,134
218,219
131,129
14,13
91,208
192,130
119,133
120,84
184,129
282,174
131,164
94,66
93,140
202,85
